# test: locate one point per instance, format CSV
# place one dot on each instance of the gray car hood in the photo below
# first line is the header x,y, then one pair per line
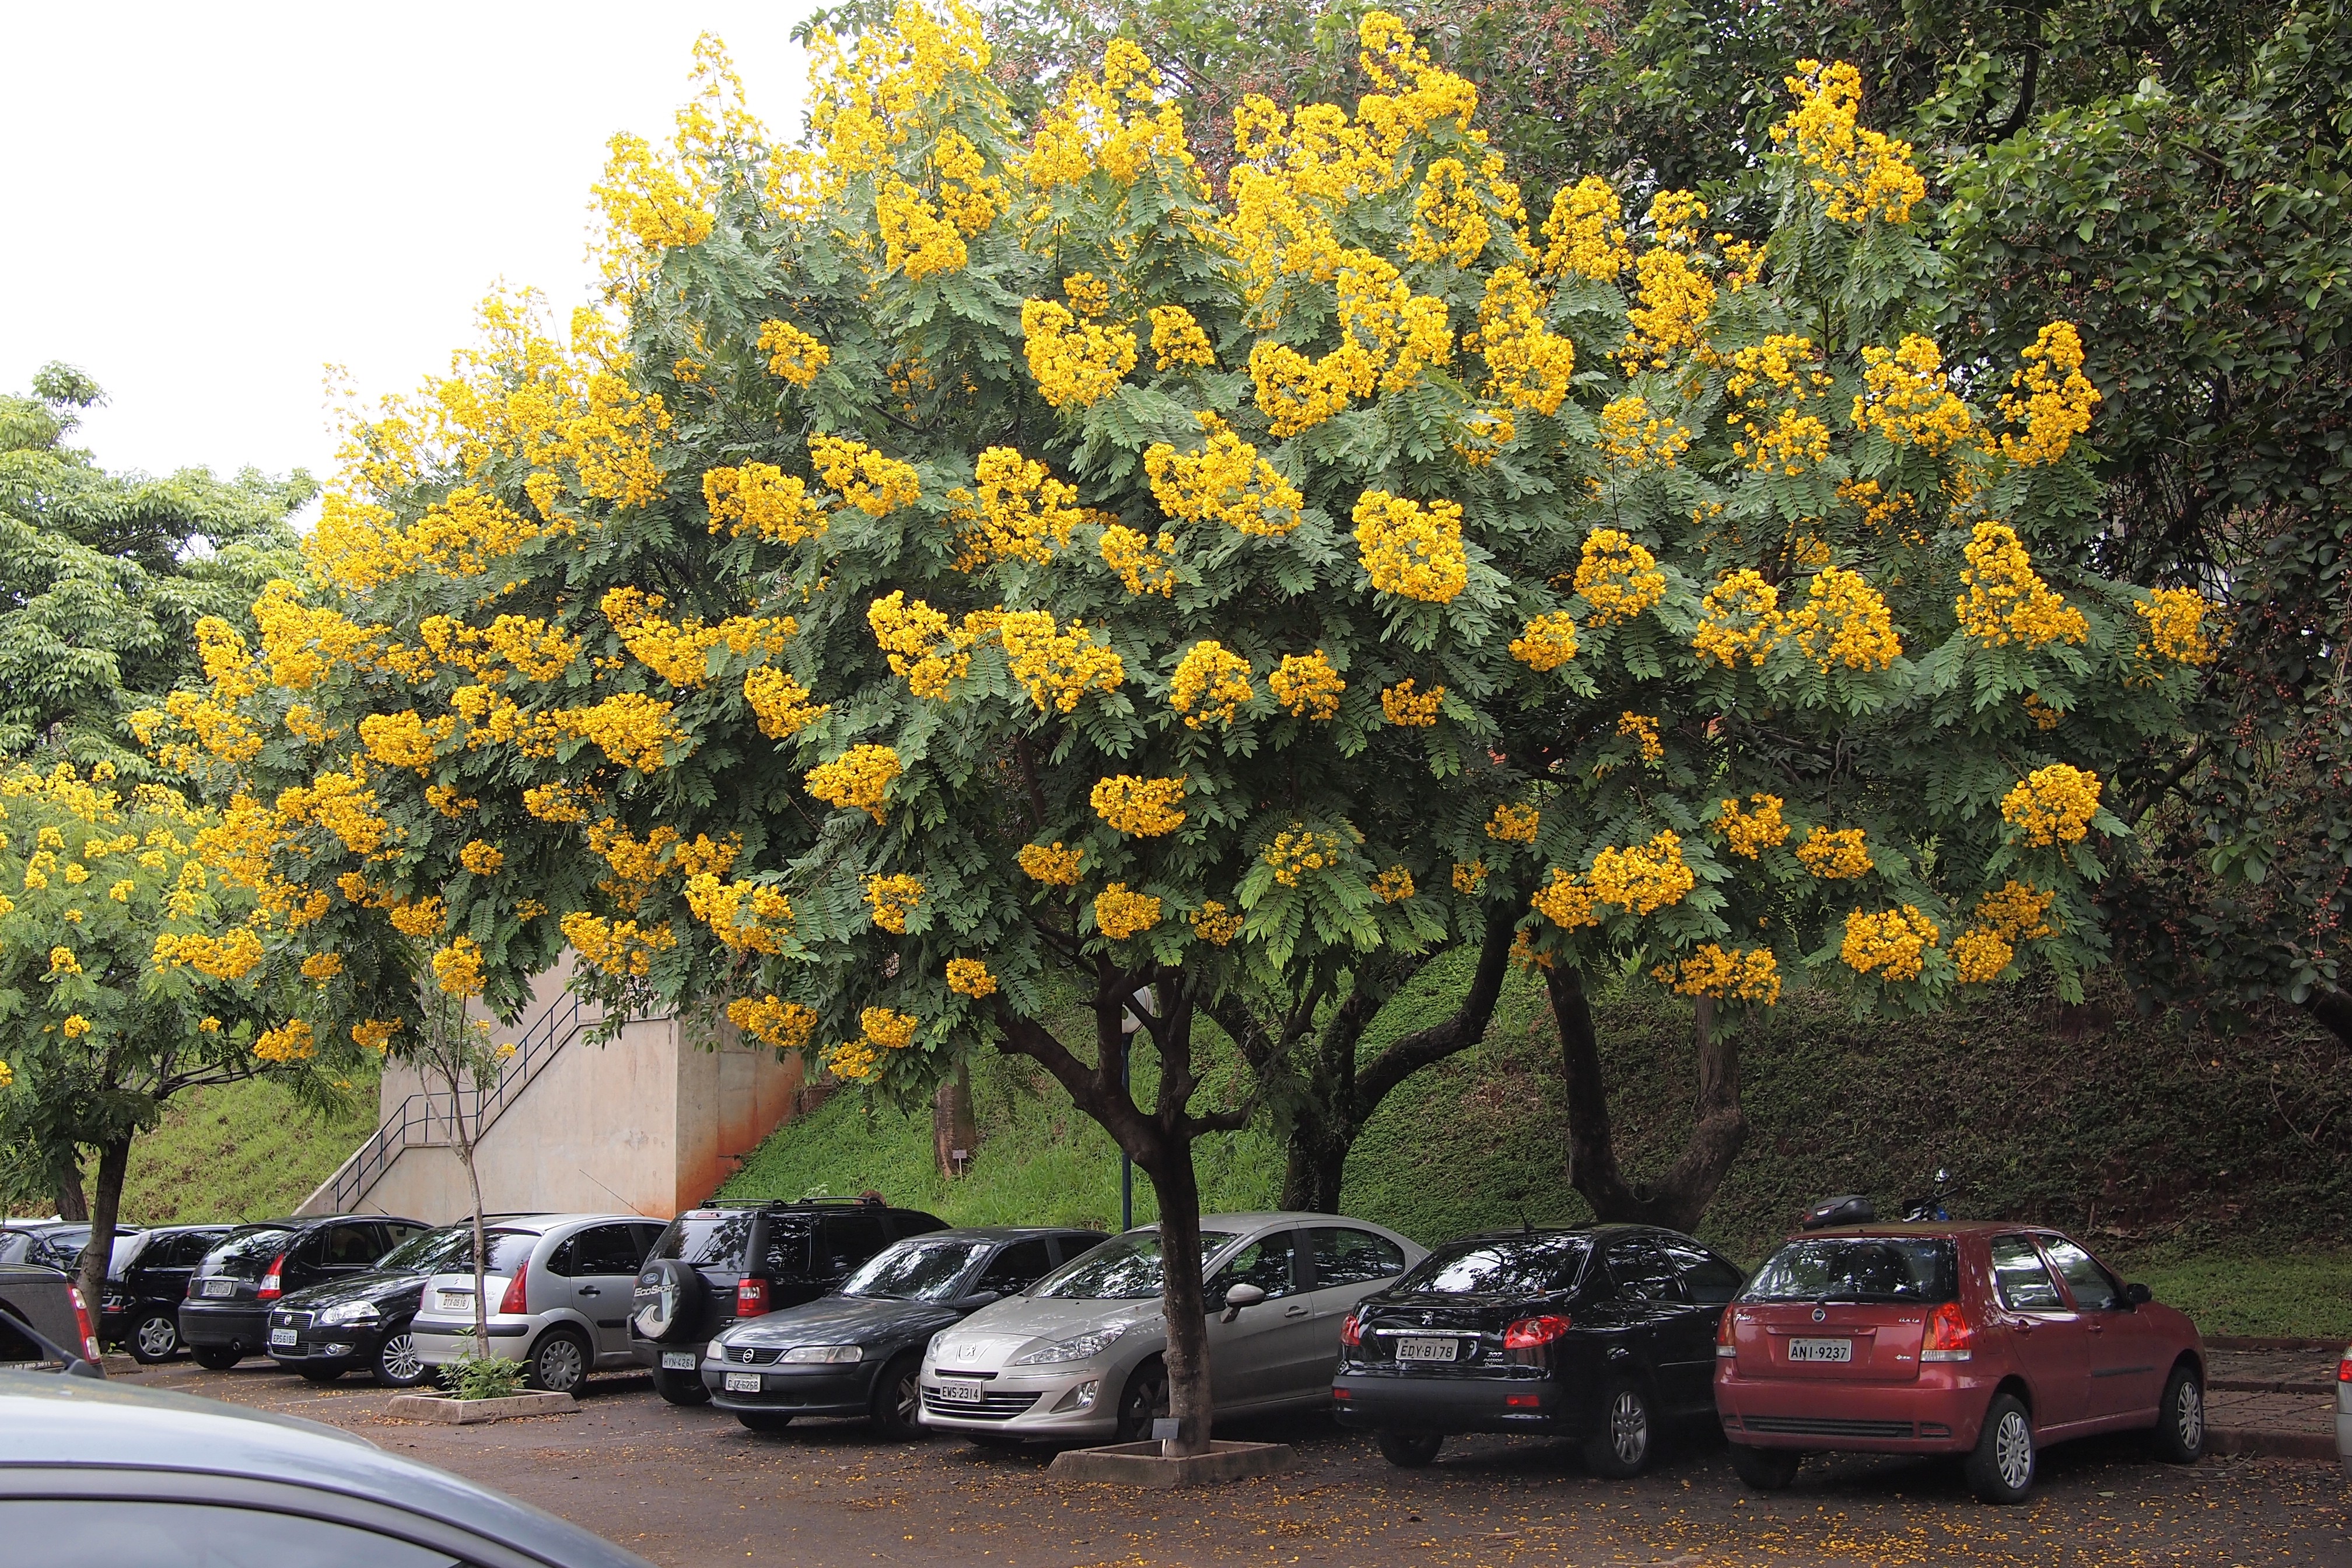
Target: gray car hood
x,y
992,1337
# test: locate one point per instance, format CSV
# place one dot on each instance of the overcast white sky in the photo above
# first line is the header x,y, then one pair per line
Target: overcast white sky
x,y
206,203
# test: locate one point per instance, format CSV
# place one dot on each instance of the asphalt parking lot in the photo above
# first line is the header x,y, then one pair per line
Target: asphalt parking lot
x,y
691,1488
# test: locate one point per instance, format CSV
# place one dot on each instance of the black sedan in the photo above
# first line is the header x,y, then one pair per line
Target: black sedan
x,y
1599,1333
359,1323
857,1352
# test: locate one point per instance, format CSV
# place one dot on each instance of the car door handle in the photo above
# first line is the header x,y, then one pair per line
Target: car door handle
x,y
1297,1311
589,1291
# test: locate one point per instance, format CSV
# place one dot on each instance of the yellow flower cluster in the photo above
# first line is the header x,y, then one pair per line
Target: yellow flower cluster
x,y
762,499
792,353
1643,728
1226,481
881,1030
2054,804
2017,911
633,730
779,702
1514,824
1210,686
2175,625
1016,511
1675,293
893,896
1782,366
1411,549
404,740
1408,710
1749,833
1981,955
2007,601
1307,685
1120,914
2045,717
1834,854
1528,365
372,1033
1394,886
969,194
1294,854
1177,341
1548,641
1618,577
1634,437
457,967
1907,398
857,780
1739,619
786,1025
1742,974
913,635
865,479
290,1042
1146,566
1585,233
1469,876
1050,864
1859,173
1566,900
322,967
75,1026
1058,666
2049,397
1076,365
229,957
1891,944
747,917
1215,924
1844,622
618,948
481,857
1138,807
970,977
915,236
1643,877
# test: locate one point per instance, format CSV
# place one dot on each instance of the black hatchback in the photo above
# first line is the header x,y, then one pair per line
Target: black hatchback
x,y
1599,1333
142,1309
225,1317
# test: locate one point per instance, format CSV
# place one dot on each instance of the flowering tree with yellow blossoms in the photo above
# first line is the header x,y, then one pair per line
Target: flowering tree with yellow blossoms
x,y
988,564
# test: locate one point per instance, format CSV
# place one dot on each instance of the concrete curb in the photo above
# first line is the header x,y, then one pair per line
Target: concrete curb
x,y
2270,1385
467,1412
1143,1465
2268,1343
2271,1445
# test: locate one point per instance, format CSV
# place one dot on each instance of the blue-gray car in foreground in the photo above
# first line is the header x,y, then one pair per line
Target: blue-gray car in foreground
x,y
100,1472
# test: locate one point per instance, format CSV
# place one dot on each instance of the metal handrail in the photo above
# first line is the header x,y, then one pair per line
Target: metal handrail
x,y
412,1123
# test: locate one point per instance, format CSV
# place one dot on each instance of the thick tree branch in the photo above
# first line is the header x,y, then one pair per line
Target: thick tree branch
x,y
1465,1028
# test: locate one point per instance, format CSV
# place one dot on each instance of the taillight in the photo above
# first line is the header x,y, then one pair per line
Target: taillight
x,y
2344,1368
1727,1341
1529,1332
1949,1336
1351,1330
271,1289
517,1300
81,1320
751,1297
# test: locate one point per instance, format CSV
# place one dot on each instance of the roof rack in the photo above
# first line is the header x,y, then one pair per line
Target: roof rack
x,y
819,1202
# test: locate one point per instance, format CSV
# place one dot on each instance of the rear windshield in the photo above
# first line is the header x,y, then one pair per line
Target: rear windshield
x,y
245,1254
1523,1265
914,1270
707,1239
1125,1268
1859,1268
443,1251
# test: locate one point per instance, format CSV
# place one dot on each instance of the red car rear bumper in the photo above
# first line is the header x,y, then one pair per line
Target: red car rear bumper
x,y
1938,1413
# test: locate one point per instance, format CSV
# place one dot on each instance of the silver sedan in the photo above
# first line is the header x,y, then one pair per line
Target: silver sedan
x,y
1078,1355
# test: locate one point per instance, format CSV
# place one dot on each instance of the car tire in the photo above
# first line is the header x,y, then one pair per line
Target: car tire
x,y
1629,1432
2180,1418
397,1365
2000,1469
1766,1469
1411,1451
764,1420
1142,1401
215,1358
681,1387
154,1337
899,1399
560,1362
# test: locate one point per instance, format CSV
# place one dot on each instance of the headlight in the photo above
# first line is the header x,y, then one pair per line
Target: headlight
x,y
933,1351
349,1312
1081,1347
828,1354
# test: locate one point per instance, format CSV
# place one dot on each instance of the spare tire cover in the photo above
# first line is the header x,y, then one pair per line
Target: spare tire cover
x,y
669,1302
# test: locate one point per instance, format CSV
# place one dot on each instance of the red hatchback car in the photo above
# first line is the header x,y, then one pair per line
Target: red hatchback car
x,y
1976,1338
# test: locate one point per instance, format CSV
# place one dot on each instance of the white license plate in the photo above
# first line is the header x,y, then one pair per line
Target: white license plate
x,y
1428,1350
454,1300
220,1287
1821,1350
281,1336
959,1393
677,1360
742,1383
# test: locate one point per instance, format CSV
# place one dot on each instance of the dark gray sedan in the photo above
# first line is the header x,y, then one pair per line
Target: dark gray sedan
x,y
100,1472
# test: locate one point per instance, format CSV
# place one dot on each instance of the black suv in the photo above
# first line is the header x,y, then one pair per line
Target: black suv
x,y
142,1309
716,1264
227,1315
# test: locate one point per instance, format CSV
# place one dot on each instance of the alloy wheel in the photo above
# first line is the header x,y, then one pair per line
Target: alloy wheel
x,y
399,1358
158,1337
1629,1427
2189,1415
909,1399
2013,1450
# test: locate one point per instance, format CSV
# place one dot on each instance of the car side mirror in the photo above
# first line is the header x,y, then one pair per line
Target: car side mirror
x,y
1240,1296
980,1298
2139,1295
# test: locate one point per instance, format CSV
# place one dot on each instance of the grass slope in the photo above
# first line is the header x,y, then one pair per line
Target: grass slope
x,y
2220,1171
240,1151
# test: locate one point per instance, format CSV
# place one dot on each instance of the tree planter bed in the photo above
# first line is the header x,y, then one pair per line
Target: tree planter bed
x,y
465,1412
1143,1465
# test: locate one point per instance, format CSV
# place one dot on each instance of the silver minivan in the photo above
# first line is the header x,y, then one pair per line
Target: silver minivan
x,y
557,1291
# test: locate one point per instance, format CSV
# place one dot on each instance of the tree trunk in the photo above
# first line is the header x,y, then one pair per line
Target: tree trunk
x,y
1183,1302
71,1204
1317,1163
952,1126
1678,1199
465,1142
113,1163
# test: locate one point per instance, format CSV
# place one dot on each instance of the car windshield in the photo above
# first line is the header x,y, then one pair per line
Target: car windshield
x,y
245,1254
433,1252
1519,1266
914,1270
59,1249
1859,1268
1125,1268
708,1239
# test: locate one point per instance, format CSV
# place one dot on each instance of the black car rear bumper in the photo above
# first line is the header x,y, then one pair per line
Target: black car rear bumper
x,y
247,1327
1371,1401
792,1391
